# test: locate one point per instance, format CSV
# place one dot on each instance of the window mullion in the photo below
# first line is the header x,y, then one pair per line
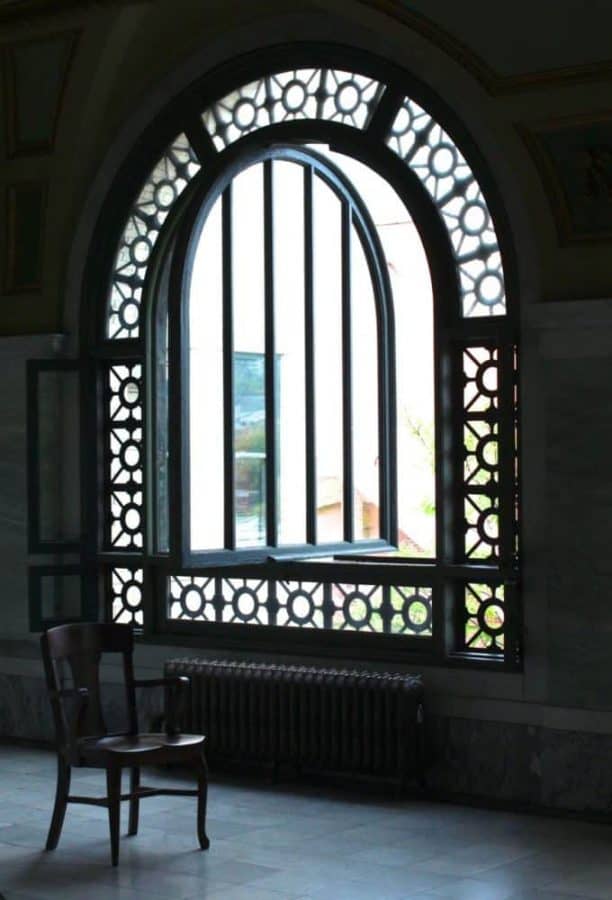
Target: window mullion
x,y
347,376
309,417
507,457
228,371
270,361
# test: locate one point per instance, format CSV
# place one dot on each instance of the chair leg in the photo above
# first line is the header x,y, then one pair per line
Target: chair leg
x,y
202,795
134,801
113,786
61,801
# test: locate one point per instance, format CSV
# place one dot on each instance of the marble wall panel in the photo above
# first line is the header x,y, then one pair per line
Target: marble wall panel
x,y
579,531
25,711
13,489
520,765
24,708
491,760
512,764
576,770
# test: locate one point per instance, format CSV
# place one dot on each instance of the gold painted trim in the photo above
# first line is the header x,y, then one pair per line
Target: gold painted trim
x,y
553,188
14,147
492,81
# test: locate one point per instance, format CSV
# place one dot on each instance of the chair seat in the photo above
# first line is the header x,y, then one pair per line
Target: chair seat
x,y
139,745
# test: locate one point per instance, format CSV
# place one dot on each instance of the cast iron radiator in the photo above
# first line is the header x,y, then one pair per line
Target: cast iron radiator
x,y
332,720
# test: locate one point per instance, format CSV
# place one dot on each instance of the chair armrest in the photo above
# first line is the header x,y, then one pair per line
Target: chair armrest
x,y
172,684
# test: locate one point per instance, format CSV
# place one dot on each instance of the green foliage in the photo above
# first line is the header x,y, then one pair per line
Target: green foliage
x,y
251,438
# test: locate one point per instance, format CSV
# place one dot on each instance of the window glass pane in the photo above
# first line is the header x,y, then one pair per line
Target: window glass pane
x,y
206,388
328,362
408,271
249,358
289,335
364,329
414,361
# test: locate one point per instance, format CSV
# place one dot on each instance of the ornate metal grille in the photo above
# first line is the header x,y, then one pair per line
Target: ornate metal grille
x,y
165,184
481,450
126,596
285,96
124,464
331,95
484,494
383,609
485,618
434,156
301,604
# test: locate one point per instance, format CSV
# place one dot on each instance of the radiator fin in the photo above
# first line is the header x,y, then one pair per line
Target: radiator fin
x,y
328,719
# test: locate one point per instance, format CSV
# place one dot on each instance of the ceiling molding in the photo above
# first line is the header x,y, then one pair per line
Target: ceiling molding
x,y
23,10
492,81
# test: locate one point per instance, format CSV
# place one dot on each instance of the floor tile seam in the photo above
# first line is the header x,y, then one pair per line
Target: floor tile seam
x,y
480,869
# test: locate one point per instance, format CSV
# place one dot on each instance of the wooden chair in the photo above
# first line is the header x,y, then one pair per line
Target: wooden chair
x,y
83,739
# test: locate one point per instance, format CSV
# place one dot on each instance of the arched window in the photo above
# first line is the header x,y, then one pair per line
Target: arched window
x,y
310,376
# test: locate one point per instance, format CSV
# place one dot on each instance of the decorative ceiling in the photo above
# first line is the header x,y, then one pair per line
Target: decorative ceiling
x,y
524,35
518,44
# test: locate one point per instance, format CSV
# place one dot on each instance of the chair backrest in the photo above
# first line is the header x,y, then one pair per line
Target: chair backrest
x,y
81,647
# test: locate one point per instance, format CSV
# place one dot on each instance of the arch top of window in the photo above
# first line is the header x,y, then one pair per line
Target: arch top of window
x,y
265,354
355,101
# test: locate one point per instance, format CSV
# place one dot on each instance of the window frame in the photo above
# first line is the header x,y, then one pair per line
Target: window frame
x,y
451,331
185,242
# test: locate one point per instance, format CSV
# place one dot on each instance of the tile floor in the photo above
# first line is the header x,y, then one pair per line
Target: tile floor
x,y
289,843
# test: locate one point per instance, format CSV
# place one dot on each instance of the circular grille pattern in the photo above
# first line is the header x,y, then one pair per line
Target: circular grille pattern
x,y
244,600
124,448
384,609
358,607
414,607
191,598
432,154
485,617
165,183
285,96
336,96
126,596
301,606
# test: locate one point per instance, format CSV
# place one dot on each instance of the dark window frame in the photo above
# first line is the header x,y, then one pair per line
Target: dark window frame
x,y
181,266
448,575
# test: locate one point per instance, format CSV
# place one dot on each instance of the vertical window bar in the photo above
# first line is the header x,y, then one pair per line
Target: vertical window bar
x,y
450,483
270,361
386,609
387,478
309,417
328,606
347,375
228,370
507,457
